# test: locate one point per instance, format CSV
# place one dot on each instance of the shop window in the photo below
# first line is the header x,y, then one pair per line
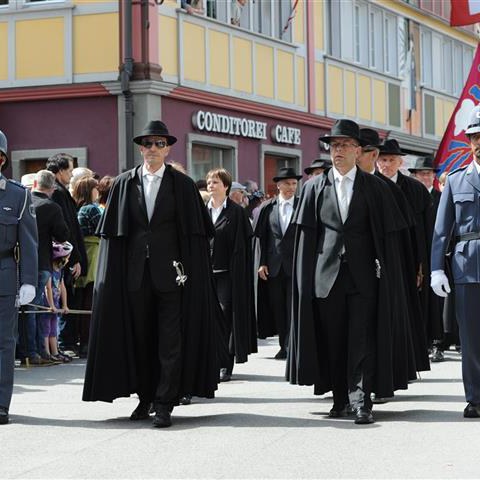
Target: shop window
x,y
3,2
205,157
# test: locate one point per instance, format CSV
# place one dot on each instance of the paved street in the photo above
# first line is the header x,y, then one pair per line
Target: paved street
x,y
257,427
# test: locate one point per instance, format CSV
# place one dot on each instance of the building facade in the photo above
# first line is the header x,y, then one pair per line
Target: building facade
x,y
248,85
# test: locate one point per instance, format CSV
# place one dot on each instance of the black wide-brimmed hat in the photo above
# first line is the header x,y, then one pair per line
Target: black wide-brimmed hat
x,y
391,147
318,163
157,128
423,163
285,173
370,137
343,128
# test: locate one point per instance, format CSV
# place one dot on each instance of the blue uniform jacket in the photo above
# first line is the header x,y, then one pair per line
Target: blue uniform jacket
x,y
17,225
458,214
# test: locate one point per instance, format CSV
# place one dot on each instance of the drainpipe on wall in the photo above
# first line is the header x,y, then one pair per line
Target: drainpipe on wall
x,y
126,72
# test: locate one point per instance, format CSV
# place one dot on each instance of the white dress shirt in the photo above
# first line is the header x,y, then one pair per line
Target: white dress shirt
x,y
215,212
151,186
394,178
344,190
285,210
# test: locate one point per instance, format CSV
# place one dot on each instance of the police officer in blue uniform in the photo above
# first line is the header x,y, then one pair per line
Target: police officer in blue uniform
x,y
459,216
18,270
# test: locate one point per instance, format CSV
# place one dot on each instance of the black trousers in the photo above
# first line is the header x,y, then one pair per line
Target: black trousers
x,y
280,304
157,335
223,284
345,330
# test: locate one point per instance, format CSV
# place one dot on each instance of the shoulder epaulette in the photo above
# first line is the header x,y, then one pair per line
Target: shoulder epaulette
x,y
14,182
460,169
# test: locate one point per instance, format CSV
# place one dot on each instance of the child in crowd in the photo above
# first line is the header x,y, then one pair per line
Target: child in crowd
x,y
55,297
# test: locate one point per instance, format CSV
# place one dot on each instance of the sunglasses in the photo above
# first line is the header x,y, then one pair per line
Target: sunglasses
x,y
157,143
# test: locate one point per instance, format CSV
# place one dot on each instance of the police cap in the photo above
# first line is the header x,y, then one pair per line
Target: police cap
x,y
474,121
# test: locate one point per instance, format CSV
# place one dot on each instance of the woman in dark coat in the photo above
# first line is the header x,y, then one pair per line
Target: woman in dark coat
x,y
232,266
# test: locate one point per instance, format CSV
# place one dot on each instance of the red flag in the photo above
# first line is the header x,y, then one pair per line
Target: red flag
x,y
454,150
464,12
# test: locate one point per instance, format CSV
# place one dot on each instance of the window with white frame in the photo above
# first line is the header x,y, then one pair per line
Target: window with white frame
x,y
364,34
206,157
445,62
268,17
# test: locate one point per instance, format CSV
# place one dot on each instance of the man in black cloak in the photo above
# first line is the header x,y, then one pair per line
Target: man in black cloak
x,y
154,308
340,338
389,163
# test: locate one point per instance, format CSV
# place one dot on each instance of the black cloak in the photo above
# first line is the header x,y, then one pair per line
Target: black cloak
x,y
305,356
111,369
234,228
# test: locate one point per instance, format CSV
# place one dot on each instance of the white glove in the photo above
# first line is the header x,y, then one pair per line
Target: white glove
x,y
26,294
439,283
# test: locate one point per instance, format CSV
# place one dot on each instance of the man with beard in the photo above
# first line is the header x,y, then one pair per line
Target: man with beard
x,y
424,172
275,234
389,163
154,309
457,217
341,325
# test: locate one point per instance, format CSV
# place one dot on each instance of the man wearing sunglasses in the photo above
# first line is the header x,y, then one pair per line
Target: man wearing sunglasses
x,y
155,310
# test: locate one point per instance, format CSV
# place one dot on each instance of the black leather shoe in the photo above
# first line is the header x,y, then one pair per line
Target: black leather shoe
x,y
142,412
281,355
471,411
338,411
224,375
4,417
162,419
185,400
437,355
363,416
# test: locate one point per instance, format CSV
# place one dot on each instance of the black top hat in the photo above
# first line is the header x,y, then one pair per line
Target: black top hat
x,y
285,173
370,137
343,128
318,163
157,128
423,163
391,147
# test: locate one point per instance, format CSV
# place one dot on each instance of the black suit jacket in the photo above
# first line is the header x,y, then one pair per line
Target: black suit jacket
x,y
276,249
51,226
355,235
61,196
156,239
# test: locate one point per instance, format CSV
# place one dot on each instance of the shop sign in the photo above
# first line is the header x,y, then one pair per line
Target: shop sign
x,y
283,134
218,123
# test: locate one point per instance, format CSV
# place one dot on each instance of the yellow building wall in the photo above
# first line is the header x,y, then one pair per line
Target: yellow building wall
x,y
242,66
285,80
95,43
219,59
350,94
379,101
264,71
439,128
364,97
43,57
299,25
194,52
335,89
3,51
448,108
319,86
168,45
318,24
301,81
